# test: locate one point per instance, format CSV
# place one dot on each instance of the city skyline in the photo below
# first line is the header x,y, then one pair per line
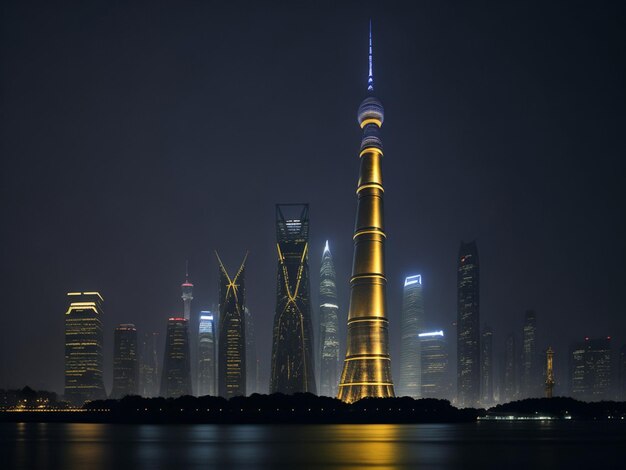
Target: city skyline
x,y
130,281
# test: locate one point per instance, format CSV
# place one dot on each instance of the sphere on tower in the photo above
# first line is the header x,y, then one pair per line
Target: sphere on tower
x,y
371,111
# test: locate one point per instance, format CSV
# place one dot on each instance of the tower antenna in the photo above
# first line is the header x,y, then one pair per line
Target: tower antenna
x,y
370,78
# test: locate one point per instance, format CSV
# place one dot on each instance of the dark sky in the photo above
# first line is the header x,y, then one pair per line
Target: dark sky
x,y
136,136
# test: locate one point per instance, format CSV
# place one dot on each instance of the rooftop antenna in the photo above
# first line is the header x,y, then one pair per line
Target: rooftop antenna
x,y
370,78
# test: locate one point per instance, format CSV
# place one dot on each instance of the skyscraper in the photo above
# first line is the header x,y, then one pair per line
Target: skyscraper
x,y
252,359
83,348
486,370
187,295
149,366
509,385
125,361
409,382
468,326
329,327
231,359
531,377
549,385
176,379
207,355
367,367
293,368
434,365
590,370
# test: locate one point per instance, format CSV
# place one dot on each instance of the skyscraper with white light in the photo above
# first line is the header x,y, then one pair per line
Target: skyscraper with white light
x,y
328,327
409,381
207,355
434,365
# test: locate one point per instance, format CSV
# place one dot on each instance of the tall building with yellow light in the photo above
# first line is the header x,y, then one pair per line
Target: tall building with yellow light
x,y
367,367
83,348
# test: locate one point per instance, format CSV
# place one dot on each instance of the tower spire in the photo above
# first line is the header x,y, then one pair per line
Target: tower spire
x,y
370,78
186,270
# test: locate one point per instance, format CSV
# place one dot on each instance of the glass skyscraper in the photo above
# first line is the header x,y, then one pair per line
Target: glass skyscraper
x,y
176,379
231,359
409,382
329,327
590,370
531,380
125,361
434,365
468,326
292,368
487,368
207,355
83,348
149,365
509,377
252,358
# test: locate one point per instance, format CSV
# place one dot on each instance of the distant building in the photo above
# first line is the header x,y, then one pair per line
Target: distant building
x,y
83,348
468,326
409,381
187,296
590,370
329,327
434,380
509,377
231,357
531,377
125,361
252,358
487,368
176,379
549,385
207,355
149,366
292,368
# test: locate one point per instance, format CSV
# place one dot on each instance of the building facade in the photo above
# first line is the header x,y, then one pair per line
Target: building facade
x,y
434,365
83,348
531,377
590,370
486,367
252,358
231,360
176,378
207,355
468,326
293,368
367,366
409,383
149,365
329,327
125,361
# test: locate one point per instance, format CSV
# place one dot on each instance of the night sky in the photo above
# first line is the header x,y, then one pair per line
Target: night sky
x,y
134,137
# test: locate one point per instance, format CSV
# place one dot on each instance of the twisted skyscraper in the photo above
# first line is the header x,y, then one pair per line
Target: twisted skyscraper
x,y
292,350
367,368
329,327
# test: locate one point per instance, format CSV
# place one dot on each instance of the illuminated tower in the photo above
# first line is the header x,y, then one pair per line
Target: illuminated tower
x,y
531,381
486,367
367,367
293,369
231,357
207,353
83,348
434,359
149,366
409,383
549,372
176,378
187,291
329,327
468,326
125,361
252,359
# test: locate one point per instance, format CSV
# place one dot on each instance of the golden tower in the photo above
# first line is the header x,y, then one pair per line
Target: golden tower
x,y
367,368
549,372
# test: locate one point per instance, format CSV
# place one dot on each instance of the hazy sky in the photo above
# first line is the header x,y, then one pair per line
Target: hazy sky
x,y
135,137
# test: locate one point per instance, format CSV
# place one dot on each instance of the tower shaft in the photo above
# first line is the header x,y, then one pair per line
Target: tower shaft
x,y
367,367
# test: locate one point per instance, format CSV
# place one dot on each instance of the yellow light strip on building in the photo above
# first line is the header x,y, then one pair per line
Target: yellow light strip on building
x,y
370,185
367,357
371,150
74,293
364,232
371,121
362,320
347,384
94,293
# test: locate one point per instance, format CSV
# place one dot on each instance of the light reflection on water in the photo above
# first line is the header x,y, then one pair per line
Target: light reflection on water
x,y
342,447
